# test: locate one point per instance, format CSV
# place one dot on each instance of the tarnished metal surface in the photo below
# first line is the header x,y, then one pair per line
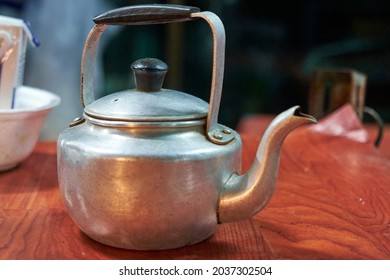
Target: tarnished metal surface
x,y
160,183
141,188
219,39
245,195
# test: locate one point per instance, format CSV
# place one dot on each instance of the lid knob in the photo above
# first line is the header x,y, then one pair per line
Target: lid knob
x,y
149,74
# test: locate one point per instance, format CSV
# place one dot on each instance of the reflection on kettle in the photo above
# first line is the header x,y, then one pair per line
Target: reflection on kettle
x,y
151,168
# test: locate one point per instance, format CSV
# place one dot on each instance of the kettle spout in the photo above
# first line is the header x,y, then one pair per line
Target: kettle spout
x,y
245,195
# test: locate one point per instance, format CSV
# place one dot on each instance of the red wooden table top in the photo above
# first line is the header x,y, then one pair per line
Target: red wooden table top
x,y
332,201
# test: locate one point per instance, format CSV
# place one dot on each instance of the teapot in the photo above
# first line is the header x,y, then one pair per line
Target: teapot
x,y
151,168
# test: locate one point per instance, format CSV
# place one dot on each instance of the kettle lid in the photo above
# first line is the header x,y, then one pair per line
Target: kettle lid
x,y
148,101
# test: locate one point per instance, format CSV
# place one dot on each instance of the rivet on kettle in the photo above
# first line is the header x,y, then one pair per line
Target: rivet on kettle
x,y
218,136
226,131
77,121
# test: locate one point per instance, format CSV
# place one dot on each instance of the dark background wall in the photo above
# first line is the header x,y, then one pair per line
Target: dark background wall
x,y
272,48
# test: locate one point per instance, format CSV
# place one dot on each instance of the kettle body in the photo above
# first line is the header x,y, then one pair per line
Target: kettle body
x,y
135,189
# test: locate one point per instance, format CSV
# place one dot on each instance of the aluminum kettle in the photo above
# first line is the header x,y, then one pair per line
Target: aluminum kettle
x,y
151,168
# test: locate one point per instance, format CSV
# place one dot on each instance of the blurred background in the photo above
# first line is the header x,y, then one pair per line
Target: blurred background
x,y
272,49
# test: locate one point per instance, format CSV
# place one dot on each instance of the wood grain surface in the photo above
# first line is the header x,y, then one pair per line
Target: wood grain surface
x,y
332,201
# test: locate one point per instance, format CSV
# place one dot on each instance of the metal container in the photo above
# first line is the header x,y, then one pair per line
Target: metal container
x,y
151,168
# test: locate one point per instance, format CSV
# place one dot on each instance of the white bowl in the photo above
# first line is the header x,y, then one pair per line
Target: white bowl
x,y
20,127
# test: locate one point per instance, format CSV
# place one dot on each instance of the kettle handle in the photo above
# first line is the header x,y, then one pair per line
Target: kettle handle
x,y
157,14
146,14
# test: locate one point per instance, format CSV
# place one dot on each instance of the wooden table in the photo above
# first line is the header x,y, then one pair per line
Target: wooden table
x,y
332,201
